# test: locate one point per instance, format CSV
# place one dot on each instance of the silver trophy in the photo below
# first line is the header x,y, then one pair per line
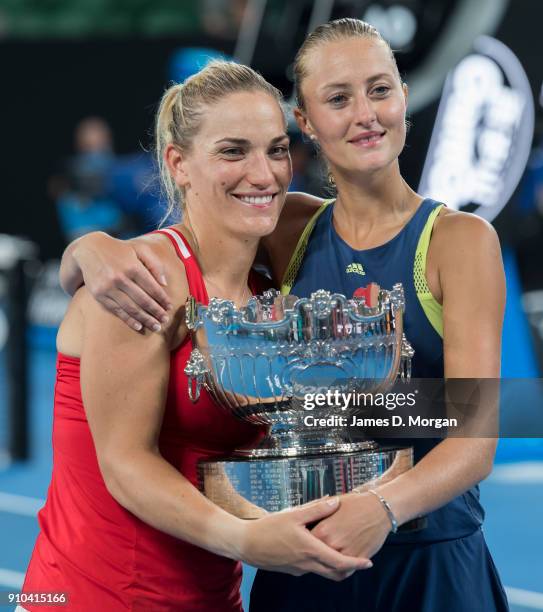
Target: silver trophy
x,y
262,363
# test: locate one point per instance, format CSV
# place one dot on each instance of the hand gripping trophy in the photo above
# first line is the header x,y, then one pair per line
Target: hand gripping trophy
x,y
263,361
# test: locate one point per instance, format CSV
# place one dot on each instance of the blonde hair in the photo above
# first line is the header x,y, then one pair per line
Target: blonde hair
x,y
183,106
333,31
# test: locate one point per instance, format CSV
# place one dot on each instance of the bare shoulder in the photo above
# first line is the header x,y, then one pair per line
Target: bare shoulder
x,y
463,233
303,201
463,249
162,247
178,286
467,263
299,205
280,244
298,209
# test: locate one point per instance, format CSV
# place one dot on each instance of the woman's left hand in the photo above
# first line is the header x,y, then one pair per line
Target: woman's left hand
x,y
358,529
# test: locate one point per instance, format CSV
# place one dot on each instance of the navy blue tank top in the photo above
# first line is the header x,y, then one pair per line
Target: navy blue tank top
x,y
330,263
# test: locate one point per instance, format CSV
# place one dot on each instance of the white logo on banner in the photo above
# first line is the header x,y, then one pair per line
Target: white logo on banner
x,y
483,132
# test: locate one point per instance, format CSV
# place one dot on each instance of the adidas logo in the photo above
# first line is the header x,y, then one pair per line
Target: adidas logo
x,y
355,268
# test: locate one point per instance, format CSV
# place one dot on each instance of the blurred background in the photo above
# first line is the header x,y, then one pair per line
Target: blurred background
x,y
81,82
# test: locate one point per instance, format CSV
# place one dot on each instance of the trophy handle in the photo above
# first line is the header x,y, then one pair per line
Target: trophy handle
x,y
196,371
407,353
404,350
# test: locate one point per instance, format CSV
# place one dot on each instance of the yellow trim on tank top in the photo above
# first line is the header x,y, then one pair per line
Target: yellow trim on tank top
x,y
432,308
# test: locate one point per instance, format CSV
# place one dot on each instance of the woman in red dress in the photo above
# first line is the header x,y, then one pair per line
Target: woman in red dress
x,y
124,526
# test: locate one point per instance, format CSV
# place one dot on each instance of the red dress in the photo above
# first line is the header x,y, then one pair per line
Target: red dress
x,y
104,557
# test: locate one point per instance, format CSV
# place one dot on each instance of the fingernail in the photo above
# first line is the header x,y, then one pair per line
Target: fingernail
x,y
169,306
333,501
369,565
138,326
156,327
163,280
164,319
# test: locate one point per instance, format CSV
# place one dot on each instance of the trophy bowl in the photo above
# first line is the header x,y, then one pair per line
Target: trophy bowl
x,y
261,363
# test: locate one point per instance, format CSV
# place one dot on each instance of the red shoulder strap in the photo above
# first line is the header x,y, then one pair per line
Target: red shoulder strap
x,y
195,279
257,282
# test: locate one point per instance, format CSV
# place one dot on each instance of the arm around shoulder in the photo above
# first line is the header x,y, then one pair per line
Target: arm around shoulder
x,y
126,277
70,273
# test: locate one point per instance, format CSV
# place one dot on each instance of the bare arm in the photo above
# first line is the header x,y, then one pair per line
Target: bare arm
x,y
473,287
127,278
471,281
71,277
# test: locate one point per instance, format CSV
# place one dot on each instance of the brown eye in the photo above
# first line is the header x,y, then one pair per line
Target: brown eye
x,y
232,152
279,151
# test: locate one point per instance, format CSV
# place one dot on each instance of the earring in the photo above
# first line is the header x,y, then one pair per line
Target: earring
x,y
313,137
331,180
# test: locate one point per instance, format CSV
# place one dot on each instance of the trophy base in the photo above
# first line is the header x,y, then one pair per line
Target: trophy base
x,y
251,487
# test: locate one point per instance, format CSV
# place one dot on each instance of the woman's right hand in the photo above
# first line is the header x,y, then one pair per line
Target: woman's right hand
x,y
282,542
126,277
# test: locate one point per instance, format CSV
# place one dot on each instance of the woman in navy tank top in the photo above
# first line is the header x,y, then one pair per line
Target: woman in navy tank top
x,y
352,104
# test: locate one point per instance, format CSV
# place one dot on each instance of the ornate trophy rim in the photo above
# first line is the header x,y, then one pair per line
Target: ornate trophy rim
x,y
293,328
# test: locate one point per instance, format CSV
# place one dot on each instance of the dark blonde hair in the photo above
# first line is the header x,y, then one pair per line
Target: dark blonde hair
x,y
183,105
333,31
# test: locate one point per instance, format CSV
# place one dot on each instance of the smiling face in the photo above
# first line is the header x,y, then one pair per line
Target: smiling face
x,y
238,169
354,104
